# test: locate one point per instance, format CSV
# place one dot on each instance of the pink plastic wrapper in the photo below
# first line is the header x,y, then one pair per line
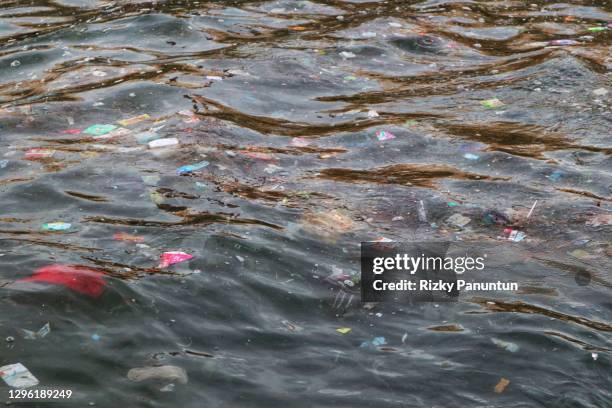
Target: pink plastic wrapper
x,y
171,258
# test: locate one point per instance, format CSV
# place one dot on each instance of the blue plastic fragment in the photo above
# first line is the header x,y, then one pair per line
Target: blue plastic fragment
x,y
379,341
556,175
192,167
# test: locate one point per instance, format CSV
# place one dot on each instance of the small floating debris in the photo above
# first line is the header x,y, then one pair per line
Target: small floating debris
x,y
506,345
18,376
146,137
514,235
383,135
171,258
115,133
492,103
556,175
71,131
56,226
38,153
560,43
421,213
532,208
379,341
300,142
471,156
35,335
376,342
99,130
501,385
192,167
168,372
344,330
347,54
167,142
134,120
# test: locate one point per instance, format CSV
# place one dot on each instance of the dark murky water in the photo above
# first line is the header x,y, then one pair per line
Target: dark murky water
x,y
481,107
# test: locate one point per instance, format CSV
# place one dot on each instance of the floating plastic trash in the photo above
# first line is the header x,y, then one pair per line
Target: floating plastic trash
x,y
99,130
563,42
556,175
506,345
115,133
192,167
41,333
134,120
171,141
300,142
39,153
501,385
514,235
379,341
421,213
383,135
492,103
146,137
168,372
347,55
344,330
18,376
56,226
77,278
171,258
471,156
72,131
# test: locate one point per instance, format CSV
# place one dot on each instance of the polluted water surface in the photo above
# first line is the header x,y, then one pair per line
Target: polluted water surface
x,y
184,187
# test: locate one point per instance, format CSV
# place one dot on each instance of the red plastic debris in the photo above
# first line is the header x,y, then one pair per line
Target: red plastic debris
x,y
72,131
171,258
38,153
78,278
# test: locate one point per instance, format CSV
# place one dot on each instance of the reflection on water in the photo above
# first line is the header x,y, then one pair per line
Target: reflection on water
x,y
308,127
